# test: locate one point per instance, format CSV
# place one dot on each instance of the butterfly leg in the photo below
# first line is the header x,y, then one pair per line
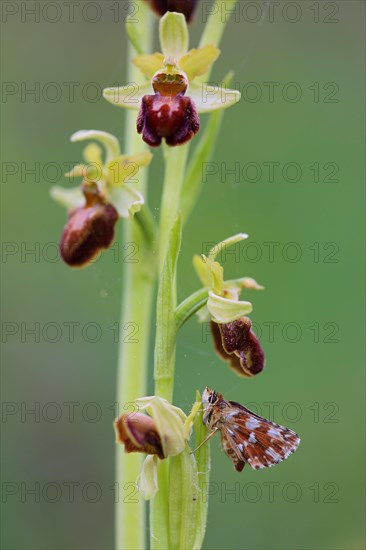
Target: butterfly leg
x,y
210,435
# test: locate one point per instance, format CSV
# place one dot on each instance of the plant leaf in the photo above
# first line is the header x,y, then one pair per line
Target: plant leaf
x,y
183,485
201,156
133,30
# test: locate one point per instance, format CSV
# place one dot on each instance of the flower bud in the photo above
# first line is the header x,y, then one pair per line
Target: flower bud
x,y
138,433
90,228
169,422
236,343
186,7
168,114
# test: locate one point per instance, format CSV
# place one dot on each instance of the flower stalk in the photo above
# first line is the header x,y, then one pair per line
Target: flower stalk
x,y
175,165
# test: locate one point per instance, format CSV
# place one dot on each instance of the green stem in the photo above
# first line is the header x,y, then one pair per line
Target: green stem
x,y
216,24
190,306
175,164
138,287
166,332
147,225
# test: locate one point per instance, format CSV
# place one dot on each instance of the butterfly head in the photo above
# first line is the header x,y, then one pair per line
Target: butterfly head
x,y
209,399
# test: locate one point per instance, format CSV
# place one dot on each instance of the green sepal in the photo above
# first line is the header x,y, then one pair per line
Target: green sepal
x,y
174,37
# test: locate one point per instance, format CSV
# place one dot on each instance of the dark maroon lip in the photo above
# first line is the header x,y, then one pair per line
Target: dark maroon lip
x,y
187,7
89,229
173,118
237,344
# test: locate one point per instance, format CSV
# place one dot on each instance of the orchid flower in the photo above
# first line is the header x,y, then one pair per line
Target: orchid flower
x,y
170,101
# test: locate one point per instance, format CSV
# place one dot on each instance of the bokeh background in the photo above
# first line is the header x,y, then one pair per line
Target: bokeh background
x,y
311,56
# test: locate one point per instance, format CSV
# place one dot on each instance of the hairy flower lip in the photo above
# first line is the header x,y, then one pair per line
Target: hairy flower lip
x,y
170,117
89,229
237,344
187,7
138,433
168,113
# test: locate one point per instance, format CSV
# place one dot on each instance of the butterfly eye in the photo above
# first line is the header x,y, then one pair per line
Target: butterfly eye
x,y
212,398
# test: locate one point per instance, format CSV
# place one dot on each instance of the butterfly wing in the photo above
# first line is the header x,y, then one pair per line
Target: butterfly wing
x,y
247,437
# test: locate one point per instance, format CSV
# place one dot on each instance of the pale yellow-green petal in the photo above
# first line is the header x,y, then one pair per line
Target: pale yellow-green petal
x,y
203,315
77,171
198,61
149,64
210,273
210,98
202,270
91,172
142,159
69,198
93,154
226,243
109,141
128,96
126,168
245,282
226,311
126,201
147,482
188,425
217,272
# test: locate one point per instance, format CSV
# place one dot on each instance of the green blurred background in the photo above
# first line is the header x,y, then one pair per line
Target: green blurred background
x,y
314,379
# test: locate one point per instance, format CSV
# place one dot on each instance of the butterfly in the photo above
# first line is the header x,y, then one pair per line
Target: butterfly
x,y
245,436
